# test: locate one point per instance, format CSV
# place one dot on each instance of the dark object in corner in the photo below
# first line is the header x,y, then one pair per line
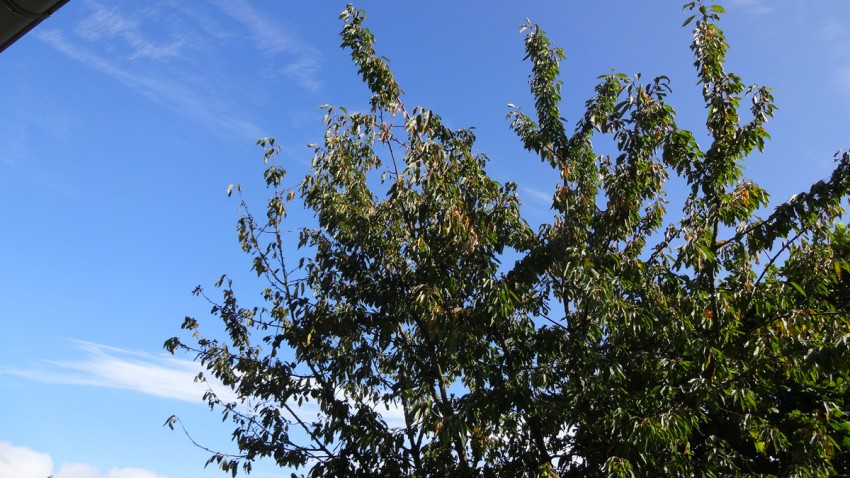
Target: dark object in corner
x,y
17,17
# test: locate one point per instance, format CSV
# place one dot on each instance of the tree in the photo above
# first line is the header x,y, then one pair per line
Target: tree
x,y
425,329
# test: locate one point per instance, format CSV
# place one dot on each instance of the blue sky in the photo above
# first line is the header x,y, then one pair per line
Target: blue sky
x,y
124,122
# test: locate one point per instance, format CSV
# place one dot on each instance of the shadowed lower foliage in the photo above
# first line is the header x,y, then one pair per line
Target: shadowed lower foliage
x,y
422,328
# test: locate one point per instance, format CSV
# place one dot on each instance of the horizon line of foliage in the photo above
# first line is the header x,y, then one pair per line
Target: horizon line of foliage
x,y
618,343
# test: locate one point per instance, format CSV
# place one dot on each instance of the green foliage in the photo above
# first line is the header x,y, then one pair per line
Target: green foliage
x,y
617,343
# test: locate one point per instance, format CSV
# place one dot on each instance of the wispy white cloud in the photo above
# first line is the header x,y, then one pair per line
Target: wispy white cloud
x,y
112,367
209,26
541,197
109,23
305,72
167,51
267,35
23,462
271,38
161,376
183,97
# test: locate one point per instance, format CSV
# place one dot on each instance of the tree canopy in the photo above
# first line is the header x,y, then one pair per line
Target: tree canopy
x,y
425,329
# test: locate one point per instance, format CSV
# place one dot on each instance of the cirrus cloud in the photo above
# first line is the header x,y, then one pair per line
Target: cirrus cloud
x,y
113,367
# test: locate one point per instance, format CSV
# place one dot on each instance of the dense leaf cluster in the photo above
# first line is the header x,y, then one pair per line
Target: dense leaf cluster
x,y
426,330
